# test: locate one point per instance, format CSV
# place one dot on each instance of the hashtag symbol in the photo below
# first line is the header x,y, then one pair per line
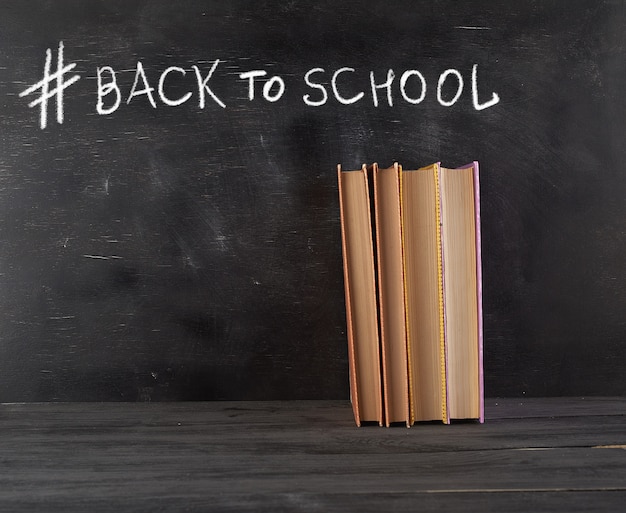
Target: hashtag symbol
x,y
44,86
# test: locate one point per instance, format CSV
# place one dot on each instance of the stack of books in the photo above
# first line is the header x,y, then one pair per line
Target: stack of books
x,y
412,276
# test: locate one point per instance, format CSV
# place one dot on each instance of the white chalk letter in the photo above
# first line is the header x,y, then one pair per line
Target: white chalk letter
x,y
494,97
442,79
147,90
165,99
307,97
341,99
403,80
251,75
267,89
390,76
204,88
106,89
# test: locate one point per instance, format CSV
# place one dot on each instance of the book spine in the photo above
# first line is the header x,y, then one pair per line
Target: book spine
x,y
391,293
379,392
354,396
443,357
479,293
409,348
381,300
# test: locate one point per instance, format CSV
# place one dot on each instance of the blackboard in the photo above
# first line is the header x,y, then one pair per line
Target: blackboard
x,y
169,224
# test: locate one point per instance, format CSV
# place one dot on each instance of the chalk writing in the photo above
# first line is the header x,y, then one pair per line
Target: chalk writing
x,y
111,87
267,87
165,99
147,90
385,85
405,78
204,88
324,87
442,81
307,97
340,94
106,89
494,96
339,97
44,86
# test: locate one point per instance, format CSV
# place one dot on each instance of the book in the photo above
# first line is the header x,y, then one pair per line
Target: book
x,y
413,283
462,289
360,293
389,249
421,223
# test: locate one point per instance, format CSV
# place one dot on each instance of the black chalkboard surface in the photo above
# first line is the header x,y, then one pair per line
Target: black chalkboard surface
x,y
169,218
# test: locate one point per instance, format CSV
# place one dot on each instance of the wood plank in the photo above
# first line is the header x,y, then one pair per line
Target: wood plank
x,y
510,502
301,456
307,425
526,407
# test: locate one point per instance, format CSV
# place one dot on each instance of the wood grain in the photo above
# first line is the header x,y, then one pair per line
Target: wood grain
x,y
306,456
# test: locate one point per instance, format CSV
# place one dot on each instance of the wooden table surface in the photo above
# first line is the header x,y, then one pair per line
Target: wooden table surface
x,y
565,454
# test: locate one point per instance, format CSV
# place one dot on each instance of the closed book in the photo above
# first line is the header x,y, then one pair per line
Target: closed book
x,y
462,287
391,301
360,294
421,224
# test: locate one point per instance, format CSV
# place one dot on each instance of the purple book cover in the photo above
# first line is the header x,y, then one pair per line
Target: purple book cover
x,y
479,293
